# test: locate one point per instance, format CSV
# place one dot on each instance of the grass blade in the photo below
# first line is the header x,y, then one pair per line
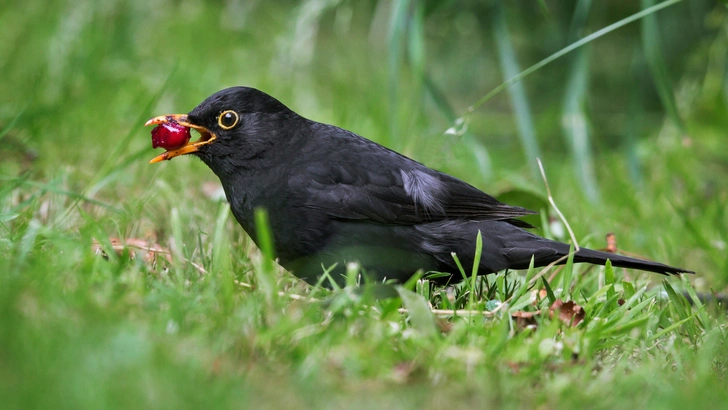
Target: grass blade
x,y
566,50
575,124
476,265
658,67
419,312
221,262
567,273
265,272
549,291
517,92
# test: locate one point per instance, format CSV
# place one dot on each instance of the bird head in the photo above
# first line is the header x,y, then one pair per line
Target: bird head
x,y
235,124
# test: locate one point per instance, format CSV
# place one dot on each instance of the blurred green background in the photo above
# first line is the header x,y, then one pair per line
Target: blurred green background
x,y
630,128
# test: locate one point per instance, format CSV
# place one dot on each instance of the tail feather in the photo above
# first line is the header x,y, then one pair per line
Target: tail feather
x,y
551,251
620,261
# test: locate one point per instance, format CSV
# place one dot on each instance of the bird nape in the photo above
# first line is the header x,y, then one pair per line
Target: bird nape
x,y
333,197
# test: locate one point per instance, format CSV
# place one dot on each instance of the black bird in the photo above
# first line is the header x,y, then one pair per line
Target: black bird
x,y
334,197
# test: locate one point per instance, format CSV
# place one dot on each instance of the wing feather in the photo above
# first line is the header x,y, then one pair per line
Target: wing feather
x,y
392,197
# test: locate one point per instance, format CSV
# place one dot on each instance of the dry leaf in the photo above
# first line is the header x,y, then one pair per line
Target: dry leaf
x,y
137,248
140,248
525,319
542,294
569,312
514,366
611,243
525,315
443,325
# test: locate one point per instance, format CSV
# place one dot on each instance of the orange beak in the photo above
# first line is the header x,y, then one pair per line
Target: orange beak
x,y
206,136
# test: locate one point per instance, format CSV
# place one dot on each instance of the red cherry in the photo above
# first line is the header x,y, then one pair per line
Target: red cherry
x,y
170,135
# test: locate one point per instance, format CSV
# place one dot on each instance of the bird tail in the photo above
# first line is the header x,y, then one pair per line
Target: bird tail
x,y
551,251
620,261
545,251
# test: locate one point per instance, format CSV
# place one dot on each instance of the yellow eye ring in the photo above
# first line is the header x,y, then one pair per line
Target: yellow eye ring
x,y
228,119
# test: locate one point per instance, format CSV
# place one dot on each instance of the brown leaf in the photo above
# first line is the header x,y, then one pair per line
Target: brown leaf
x,y
137,248
525,319
611,239
525,315
611,243
538,296
569,312
515,367
443,325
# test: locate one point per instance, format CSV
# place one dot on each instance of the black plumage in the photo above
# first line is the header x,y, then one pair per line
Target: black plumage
x,y
334,197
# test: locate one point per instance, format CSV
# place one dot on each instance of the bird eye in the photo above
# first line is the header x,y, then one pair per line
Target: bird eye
x,y
228,119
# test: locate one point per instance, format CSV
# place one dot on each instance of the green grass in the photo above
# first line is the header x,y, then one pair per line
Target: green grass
x,y
218,325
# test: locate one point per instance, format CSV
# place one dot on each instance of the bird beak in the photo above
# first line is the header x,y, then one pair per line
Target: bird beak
x,y
206,136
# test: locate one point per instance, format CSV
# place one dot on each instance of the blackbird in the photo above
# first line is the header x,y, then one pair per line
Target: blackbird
x,y
333,197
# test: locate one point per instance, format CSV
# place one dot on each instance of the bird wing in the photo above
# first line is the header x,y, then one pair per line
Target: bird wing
x,y
406,193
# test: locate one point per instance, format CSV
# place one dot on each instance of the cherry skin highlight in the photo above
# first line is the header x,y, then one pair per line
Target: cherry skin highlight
x,y
170,136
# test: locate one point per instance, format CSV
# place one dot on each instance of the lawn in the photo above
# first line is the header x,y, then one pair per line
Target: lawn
x,y
629,126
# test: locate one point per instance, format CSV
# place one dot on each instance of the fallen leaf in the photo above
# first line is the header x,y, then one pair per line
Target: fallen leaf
x,y
138,248
525,315
514,366
525,319
569,312
537,295
611,243
443,325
